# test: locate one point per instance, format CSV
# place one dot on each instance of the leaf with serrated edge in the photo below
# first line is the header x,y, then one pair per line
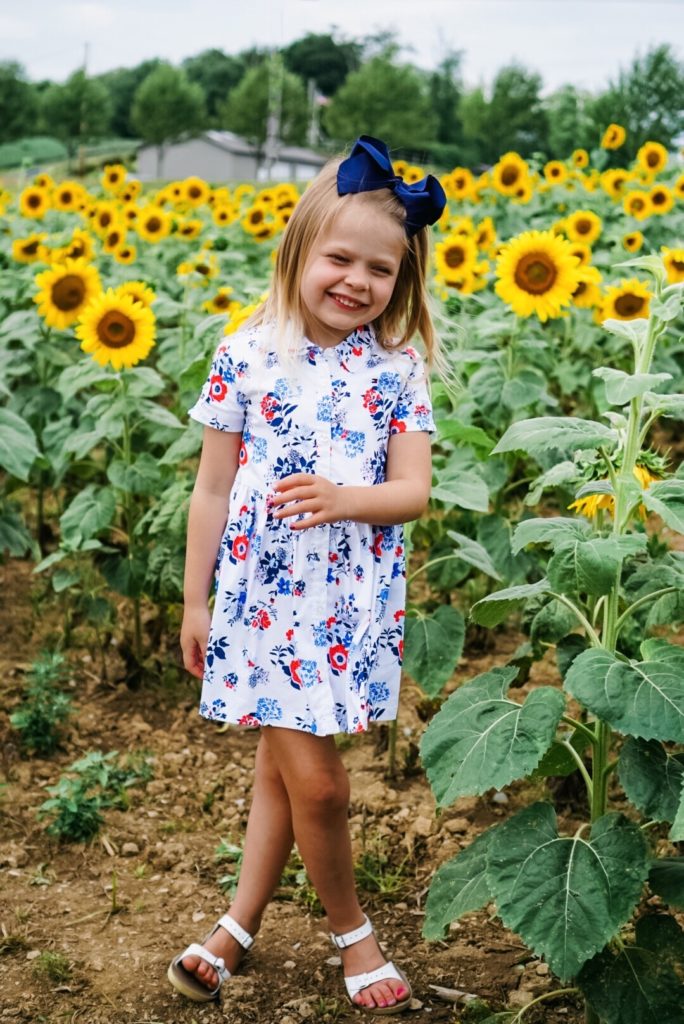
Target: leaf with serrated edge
x,y
563,433
651,778
622,387
458,887
432,647
666,498
637,984
643,698
473,553
666,879
493,609
566,896
480,739
553,531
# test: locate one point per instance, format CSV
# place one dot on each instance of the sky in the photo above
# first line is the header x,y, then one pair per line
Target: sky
x,y
584,42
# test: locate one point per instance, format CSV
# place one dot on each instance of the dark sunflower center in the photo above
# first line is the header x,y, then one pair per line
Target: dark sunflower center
x,y
221,302
256,216
115,329
194,192
31,248
153,225
202,268
68,293
629,304
555,171
535,273
580,289
76,249
658,198
583,226
454,256
652,158
509,175
677,265
113,238
637,204
66,197
33,201
105,219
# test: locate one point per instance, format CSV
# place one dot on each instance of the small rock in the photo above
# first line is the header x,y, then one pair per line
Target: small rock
x,y
32,954
210,757
130,850
289,965
421,826
300,1006
415,1004
287,1019
542,969
334,961
457,825
199,915
500,798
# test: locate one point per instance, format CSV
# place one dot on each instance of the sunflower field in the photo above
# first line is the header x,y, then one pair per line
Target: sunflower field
x,y
556,516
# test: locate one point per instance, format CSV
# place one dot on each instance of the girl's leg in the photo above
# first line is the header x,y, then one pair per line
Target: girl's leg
x,y
318,788
268,842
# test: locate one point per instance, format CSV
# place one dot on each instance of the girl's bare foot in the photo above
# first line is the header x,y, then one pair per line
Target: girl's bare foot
x,y
222,944
362,958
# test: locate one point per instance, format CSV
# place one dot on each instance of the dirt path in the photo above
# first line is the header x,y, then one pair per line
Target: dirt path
x,y
159,855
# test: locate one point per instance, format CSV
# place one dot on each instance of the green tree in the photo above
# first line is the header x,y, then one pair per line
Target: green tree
x,y
512,118
247,106
18,103
217,73
446,86
570,125
121,84
166,105
77,111
323,59
646,99
384,99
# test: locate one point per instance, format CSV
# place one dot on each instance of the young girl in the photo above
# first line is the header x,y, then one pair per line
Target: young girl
x,y
316,451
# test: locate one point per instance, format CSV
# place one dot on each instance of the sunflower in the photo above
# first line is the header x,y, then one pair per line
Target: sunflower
x,y
583,253
115,237
583,226
632,241
580,158
246,190
202,268
637,204
678,187
125,254
485,234
115,329
34,202
195,191
138,291
189,229
509,174
591,504
674,264
524,191
587,294
662,199
400,167
460,183
113,177
652,157
67,196
221,302
153,223
43,181
220,197
223,215
455,257
65,291
105,216
555,172
627,301
613,137
131,191
28,250
81,245
412,174
614,182
256,219
537,274
238,317
130,212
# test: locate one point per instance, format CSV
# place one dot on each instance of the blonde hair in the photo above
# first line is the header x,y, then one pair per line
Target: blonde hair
x,y
407,312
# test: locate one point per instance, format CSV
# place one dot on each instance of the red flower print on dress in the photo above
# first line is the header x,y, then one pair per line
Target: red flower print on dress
x,y
401,649
269,407
218,389
399,614
294,671
377,547
243,457
250,720
241,546
372,399
262,620
397,426
337,656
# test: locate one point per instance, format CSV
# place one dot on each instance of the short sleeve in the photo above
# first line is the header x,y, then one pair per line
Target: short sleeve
x,y
413,410
222,402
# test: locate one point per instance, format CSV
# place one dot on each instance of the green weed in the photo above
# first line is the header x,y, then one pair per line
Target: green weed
x,y
228,852
53,966
44,706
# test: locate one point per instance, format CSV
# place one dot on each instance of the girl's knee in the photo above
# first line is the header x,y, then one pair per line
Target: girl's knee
x,y
327,793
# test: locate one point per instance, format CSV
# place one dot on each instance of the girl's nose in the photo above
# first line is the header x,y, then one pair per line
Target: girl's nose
x,y
356,278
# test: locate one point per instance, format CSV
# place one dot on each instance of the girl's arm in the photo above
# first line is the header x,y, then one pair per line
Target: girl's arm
x,y
403,495
206,523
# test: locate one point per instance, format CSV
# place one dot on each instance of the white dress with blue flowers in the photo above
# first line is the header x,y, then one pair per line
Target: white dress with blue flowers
x,y
307,627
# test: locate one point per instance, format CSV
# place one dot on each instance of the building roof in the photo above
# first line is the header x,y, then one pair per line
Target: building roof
x,y
235,144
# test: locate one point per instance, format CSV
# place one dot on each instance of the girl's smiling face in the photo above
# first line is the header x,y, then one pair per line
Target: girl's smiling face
x,y
349,276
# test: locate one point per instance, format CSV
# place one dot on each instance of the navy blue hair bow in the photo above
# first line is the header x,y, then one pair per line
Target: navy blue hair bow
x,y
368,167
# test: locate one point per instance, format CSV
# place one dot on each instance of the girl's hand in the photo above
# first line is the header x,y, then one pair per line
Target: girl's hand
x,y
194,637
323,500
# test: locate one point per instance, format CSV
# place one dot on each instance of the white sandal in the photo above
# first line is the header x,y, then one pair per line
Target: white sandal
x,y
186,982
357,982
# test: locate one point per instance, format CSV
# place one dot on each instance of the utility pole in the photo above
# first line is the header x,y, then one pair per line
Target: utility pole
x,y
275,106
82,127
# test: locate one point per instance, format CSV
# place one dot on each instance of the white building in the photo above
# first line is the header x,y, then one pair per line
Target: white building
x,y
220,156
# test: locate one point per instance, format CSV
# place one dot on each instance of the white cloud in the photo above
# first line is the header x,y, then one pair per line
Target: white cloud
x,y
88,15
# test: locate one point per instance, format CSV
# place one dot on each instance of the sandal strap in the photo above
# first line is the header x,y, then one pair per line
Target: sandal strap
x,y
217,962
357,982
236,930
349,938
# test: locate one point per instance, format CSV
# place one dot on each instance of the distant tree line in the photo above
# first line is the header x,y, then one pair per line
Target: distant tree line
x,y
329,89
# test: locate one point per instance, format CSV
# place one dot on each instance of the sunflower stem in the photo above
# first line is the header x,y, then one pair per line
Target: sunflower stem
x,y
129,517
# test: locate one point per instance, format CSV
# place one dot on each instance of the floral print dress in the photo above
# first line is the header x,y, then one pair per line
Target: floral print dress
x,y
307,627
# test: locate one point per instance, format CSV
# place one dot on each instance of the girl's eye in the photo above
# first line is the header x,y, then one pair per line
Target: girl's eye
x,y
382,270
338,258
